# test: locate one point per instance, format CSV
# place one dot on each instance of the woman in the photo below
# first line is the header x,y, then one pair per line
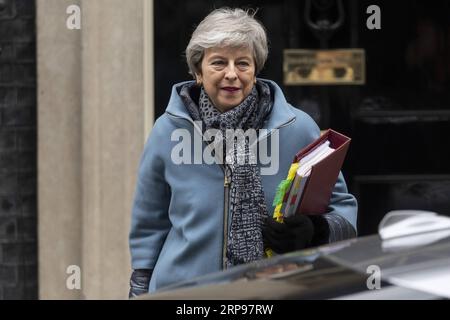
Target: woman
x,y
193,218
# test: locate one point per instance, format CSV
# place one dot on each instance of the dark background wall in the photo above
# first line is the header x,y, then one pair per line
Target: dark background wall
x,y
18,222
399,120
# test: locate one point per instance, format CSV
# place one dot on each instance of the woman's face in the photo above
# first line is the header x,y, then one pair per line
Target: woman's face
x,y
228,75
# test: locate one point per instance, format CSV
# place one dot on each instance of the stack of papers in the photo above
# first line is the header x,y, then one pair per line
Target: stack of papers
x,y
311,177
302,176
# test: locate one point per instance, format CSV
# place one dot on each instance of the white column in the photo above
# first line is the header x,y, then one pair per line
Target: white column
x,y
95,109
59,148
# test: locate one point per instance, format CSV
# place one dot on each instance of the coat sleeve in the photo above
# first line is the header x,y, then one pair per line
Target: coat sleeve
x,y
150,223
342,213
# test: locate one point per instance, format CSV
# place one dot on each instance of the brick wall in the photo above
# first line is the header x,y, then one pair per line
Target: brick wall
x,y
18,214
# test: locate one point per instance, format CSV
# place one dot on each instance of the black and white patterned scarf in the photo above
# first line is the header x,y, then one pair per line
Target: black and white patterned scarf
x,y
247,203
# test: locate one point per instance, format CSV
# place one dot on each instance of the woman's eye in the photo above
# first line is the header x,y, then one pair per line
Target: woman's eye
x,y
218,63
243,63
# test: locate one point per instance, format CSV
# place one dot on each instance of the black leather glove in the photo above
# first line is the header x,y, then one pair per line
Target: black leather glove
x,y
295,233
321,230
139,282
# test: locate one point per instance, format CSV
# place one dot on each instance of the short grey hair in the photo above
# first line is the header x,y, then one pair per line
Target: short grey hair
x,y
227,27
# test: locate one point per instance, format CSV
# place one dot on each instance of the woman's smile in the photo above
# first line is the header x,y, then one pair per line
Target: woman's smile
x,y
230,89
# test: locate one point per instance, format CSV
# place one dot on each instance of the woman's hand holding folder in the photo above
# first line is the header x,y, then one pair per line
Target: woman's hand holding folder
x,y
303,197
295,233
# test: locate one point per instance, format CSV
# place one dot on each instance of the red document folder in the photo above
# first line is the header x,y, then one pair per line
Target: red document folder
x,y
319,186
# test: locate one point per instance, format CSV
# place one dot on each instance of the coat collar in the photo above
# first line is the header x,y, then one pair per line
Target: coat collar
x,y
281,113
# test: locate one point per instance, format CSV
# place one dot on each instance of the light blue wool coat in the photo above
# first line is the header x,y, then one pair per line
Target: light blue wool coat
x,y
178,218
